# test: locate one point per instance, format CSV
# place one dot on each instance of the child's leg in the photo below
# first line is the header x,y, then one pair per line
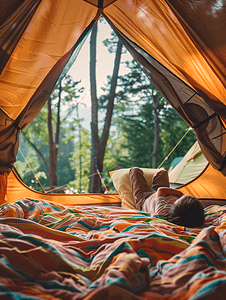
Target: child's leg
x,y
140,189
160,179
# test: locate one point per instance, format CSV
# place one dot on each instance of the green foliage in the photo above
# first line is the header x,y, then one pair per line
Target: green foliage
x,y
134,147
173,128
29,176
36,135
80,163
64,170
36,132
136,124
110,162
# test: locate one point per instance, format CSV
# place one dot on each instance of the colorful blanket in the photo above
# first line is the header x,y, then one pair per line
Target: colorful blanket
x,y
50,251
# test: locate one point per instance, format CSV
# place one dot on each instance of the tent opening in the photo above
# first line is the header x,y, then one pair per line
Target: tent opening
x,y
55,149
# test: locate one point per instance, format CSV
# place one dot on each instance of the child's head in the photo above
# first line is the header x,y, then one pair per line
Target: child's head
x,y
187,211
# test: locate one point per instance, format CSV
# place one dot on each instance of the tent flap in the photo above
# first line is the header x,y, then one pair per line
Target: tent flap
x,y
9,139
189,104
14,18
205,23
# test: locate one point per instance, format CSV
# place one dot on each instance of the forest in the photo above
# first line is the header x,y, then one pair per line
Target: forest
x,y
131,125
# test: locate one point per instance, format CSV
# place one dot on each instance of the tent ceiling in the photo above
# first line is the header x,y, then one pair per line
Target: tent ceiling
x,y
100,3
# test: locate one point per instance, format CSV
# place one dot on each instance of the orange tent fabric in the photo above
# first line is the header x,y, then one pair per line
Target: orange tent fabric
x,y
16,189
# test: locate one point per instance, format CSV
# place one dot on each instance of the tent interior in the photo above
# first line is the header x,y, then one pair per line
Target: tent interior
x,y
111,251
168,38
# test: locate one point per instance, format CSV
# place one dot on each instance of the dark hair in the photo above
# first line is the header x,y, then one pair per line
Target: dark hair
x,y
187,212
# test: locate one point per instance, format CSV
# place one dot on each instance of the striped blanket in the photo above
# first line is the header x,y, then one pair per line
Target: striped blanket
x,y
50,251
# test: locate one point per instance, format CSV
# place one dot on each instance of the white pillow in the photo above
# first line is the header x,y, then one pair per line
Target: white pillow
x,y
122,184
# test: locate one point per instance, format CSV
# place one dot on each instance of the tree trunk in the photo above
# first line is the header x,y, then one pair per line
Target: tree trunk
x,y
94,183
52,159
107,124
150,138
57,136
53,145
99,146
156,131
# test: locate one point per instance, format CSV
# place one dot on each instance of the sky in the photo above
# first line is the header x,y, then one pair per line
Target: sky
x,y
105,62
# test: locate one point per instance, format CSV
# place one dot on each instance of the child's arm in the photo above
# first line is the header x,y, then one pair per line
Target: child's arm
x,y
164,191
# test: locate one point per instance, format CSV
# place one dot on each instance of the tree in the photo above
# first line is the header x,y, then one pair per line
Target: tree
x,y
64,95
26,173
142,92
80,163
82,154
153,128
173,128
99,143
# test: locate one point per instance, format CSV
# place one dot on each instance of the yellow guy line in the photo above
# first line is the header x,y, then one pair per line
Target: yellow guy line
x,y
166,158
32,170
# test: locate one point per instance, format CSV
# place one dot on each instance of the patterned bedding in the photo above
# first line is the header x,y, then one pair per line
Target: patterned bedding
x,y
52,251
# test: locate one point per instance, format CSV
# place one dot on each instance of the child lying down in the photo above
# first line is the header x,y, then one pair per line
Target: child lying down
x,y
160,199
